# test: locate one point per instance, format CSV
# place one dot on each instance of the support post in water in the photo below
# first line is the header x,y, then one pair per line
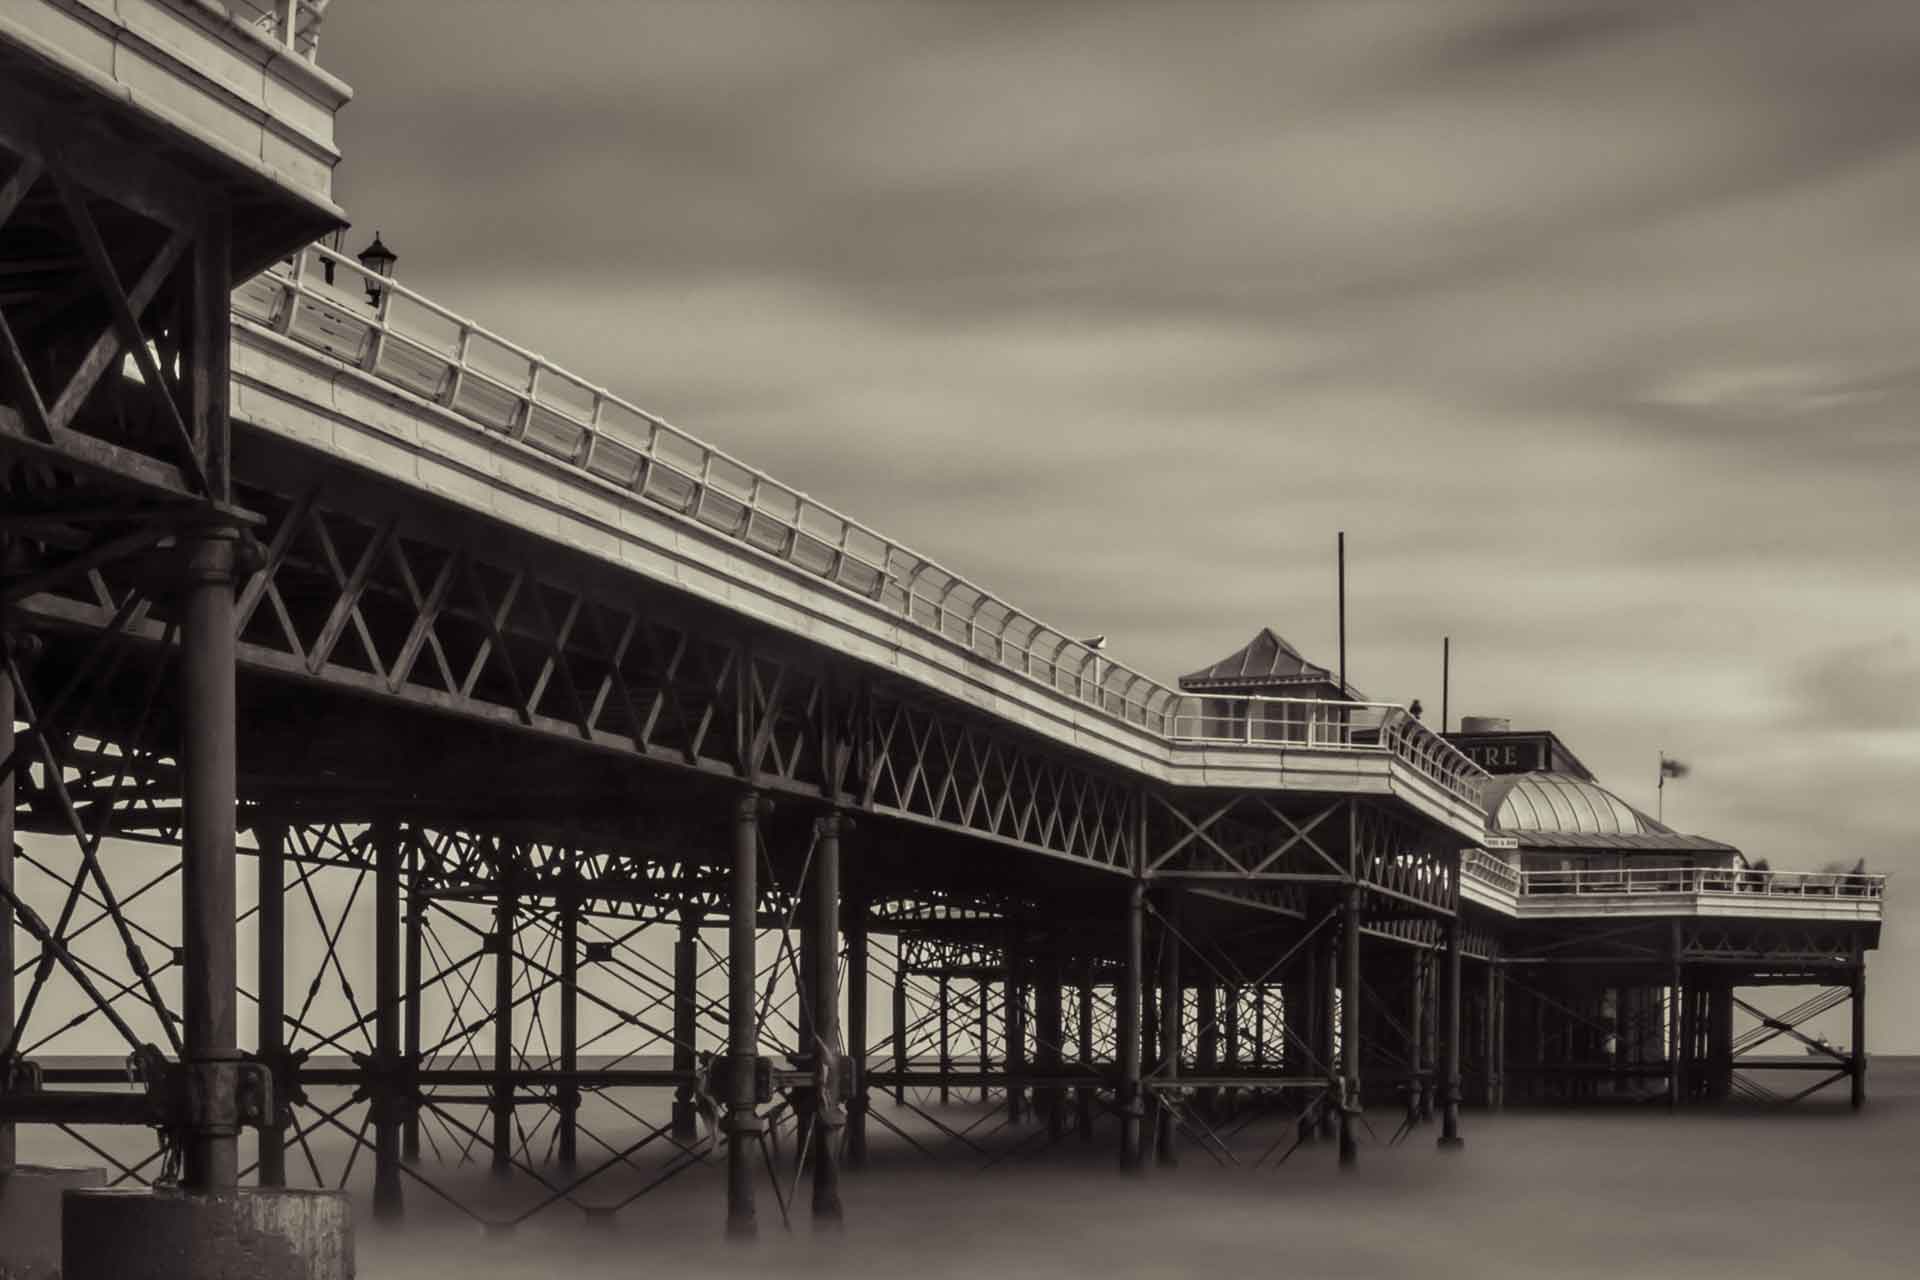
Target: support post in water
x,y
7,1013
388,1203
270,1012
1013,1013
209,767
1128,1031
827,1116
743,1026
1450,1034
686,1008
1857,1059
1349,1025
853,911
567,1095
1166,1137
1083,1094
416,922
504,929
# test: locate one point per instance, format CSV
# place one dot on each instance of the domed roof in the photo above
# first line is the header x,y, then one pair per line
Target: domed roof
x,y
1562,803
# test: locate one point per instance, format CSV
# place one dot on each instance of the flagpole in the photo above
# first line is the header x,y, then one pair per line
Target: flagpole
x,y
1660,790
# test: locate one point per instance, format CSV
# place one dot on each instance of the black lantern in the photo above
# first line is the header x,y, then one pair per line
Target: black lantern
x,y
378,260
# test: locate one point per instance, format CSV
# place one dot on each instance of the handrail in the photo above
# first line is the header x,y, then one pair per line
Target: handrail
x,y
1483,866
1635,880
317,298
291,24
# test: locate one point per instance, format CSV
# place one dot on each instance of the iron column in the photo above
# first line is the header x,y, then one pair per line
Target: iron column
x,y
7,1148
270,950
827,1118
743,1027
1857,1062
944,993
416,922
1450,1033
387,1202
1492,1030
567,1138
686,1008
208,779
854,924
899,1012
1349,1024
1206,1019
1166,1145
1083,1095
1676,1027
1013,1015
1418,1107
1048,1031
981,990
1128,1031
503,939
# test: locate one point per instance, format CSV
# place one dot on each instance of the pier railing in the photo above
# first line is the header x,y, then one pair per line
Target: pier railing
x,y
1323,724
331,303
292,24
1636,880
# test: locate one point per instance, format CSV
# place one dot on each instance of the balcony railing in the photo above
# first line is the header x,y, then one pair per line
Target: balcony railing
x,y
291,24
1479,865
1640,881
318,298
1341,726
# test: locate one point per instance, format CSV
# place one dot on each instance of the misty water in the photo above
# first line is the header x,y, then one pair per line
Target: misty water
x,y
1620,1190
1610,1191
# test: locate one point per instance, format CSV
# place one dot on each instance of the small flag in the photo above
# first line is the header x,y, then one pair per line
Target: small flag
x,y
1671,768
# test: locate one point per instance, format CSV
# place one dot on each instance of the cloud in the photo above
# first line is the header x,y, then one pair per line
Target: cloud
x,y
1591,324
1872,685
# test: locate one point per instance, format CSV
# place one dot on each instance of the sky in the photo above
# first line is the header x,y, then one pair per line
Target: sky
x,y
1593,326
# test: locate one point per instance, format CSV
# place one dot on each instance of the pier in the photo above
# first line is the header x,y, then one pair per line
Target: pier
x,y
415,754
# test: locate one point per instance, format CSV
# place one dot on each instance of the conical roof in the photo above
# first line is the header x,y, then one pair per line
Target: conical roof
x,y
1268,662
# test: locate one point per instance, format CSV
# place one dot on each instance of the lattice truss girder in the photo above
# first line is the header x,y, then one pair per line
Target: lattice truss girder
x,y
370,592
1403,866
108,263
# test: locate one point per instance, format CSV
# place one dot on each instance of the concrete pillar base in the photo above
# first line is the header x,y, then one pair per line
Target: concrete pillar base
x,y
30,1217
243,1234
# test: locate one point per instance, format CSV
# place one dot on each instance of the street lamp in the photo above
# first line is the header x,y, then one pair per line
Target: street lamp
x,y
378,260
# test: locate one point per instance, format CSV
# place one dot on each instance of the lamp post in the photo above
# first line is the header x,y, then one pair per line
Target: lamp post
x,y
378,260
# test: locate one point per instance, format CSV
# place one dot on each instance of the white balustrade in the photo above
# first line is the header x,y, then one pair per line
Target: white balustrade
x,y
319,299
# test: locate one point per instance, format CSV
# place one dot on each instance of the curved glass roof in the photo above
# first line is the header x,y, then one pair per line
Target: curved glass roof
x,y
1560,802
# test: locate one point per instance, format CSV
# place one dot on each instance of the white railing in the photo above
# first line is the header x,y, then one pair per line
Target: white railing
x,y
1480,865
1614,881
319,298
292,24
1342,726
